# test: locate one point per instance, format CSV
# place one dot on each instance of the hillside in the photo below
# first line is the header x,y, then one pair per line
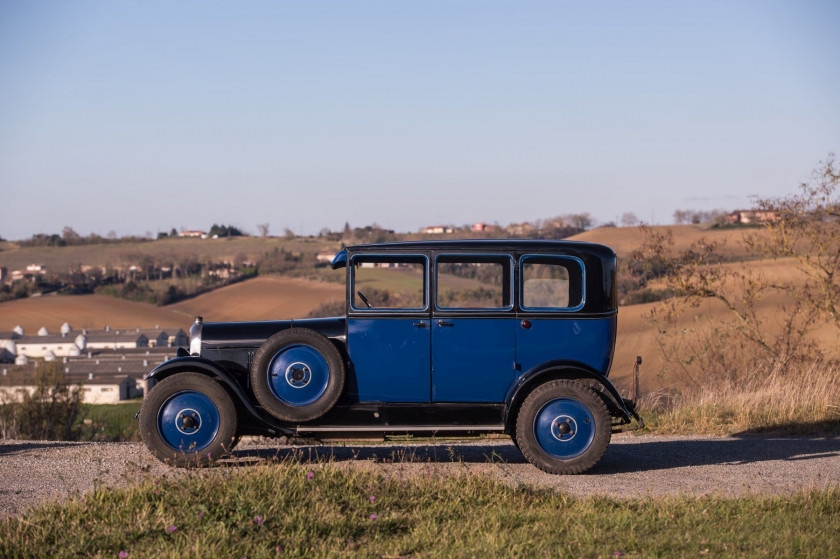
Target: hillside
x,y
261,298
13,256
86,311
624,240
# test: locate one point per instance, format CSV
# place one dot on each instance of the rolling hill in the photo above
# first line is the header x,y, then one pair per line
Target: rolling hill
x,y
261,298
86,311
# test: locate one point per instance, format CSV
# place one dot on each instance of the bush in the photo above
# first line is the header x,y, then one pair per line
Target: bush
x,y
48,412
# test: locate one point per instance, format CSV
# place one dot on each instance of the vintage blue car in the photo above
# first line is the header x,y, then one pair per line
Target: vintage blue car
x,y
438,338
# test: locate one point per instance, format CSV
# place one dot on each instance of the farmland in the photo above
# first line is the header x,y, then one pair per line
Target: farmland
x,y
86,311
261,298
13,256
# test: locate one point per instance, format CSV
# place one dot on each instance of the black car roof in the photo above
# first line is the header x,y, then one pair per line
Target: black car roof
x,y
497,244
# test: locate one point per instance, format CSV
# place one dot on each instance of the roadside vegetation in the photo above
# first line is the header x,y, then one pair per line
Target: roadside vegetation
x,y
287,509
53,410
752,370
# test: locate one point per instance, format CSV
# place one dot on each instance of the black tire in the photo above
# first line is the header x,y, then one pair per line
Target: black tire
x,y
221,425
573,403
329,372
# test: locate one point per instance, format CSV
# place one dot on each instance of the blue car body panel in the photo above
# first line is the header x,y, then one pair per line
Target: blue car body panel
x,y
390,360
472,359
586,341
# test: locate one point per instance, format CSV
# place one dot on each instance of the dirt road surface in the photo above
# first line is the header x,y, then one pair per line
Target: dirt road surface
x,y
634,466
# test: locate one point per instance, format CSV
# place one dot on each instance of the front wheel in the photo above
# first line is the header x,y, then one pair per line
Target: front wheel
x,y
188,420
563,427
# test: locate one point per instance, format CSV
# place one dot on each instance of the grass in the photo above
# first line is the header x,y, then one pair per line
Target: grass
x,y
289,510
801,402
110,422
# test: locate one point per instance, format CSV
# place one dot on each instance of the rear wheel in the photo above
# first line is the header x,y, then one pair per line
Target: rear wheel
x,y
188,420
563,427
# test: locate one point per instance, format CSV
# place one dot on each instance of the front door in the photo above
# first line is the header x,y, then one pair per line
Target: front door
x,y
388,328
473,328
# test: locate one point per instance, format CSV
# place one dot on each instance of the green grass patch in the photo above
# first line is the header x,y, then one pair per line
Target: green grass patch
x,y
109,422
294,510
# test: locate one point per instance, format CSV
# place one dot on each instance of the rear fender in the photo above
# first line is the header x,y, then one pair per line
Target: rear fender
x,y
196,364
562,370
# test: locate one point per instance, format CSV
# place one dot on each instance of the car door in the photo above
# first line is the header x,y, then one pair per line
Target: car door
x,y
388,328
551,294
473,328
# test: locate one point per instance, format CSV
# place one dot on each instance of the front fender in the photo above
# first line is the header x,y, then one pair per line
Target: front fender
x,y
559,370
205,366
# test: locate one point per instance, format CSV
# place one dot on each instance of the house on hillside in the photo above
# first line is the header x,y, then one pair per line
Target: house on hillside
x,y
744,217
482,227
193,233
438,229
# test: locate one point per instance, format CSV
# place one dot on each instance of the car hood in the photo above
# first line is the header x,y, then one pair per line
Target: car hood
x,y
216,335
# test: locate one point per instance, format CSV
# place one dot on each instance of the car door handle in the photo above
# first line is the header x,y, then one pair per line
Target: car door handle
x,y
420,324
444,323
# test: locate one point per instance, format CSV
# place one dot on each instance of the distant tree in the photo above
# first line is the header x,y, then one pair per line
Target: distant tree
x,y
325,231
70,236
225,231
162,235
629,219
112,234
173,233
581,221
347,229
289,233
263,229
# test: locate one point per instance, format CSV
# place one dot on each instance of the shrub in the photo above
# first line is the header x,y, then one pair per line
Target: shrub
x,y
47,412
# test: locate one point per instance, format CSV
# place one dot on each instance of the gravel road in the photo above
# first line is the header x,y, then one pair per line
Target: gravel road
x,y
634,466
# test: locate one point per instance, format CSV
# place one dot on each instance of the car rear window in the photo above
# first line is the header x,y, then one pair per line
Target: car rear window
x,y
552,283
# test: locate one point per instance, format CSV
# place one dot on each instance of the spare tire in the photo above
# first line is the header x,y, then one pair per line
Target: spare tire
x,y
297,375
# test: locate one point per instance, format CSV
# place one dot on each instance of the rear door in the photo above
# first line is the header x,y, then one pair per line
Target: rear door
x,y
388,328
473,328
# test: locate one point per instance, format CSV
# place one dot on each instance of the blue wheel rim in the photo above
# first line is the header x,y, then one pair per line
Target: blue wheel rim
x,y
564,428
298,375
188,421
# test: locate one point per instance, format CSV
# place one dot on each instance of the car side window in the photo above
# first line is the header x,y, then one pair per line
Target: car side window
x,y
473,282
552,283
389,282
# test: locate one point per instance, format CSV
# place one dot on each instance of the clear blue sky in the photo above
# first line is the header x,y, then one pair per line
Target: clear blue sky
x,y
140,116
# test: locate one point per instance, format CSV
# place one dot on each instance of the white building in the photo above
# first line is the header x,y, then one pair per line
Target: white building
x,y
59,345
156,336
115,339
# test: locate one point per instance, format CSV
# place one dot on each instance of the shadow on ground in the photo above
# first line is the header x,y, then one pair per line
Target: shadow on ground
x,y
626,456
26,446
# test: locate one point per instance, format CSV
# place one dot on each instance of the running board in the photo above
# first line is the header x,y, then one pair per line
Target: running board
x,y
406,428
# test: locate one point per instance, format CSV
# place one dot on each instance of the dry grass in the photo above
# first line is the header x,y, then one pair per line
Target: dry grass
x,y
796,402
262,298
